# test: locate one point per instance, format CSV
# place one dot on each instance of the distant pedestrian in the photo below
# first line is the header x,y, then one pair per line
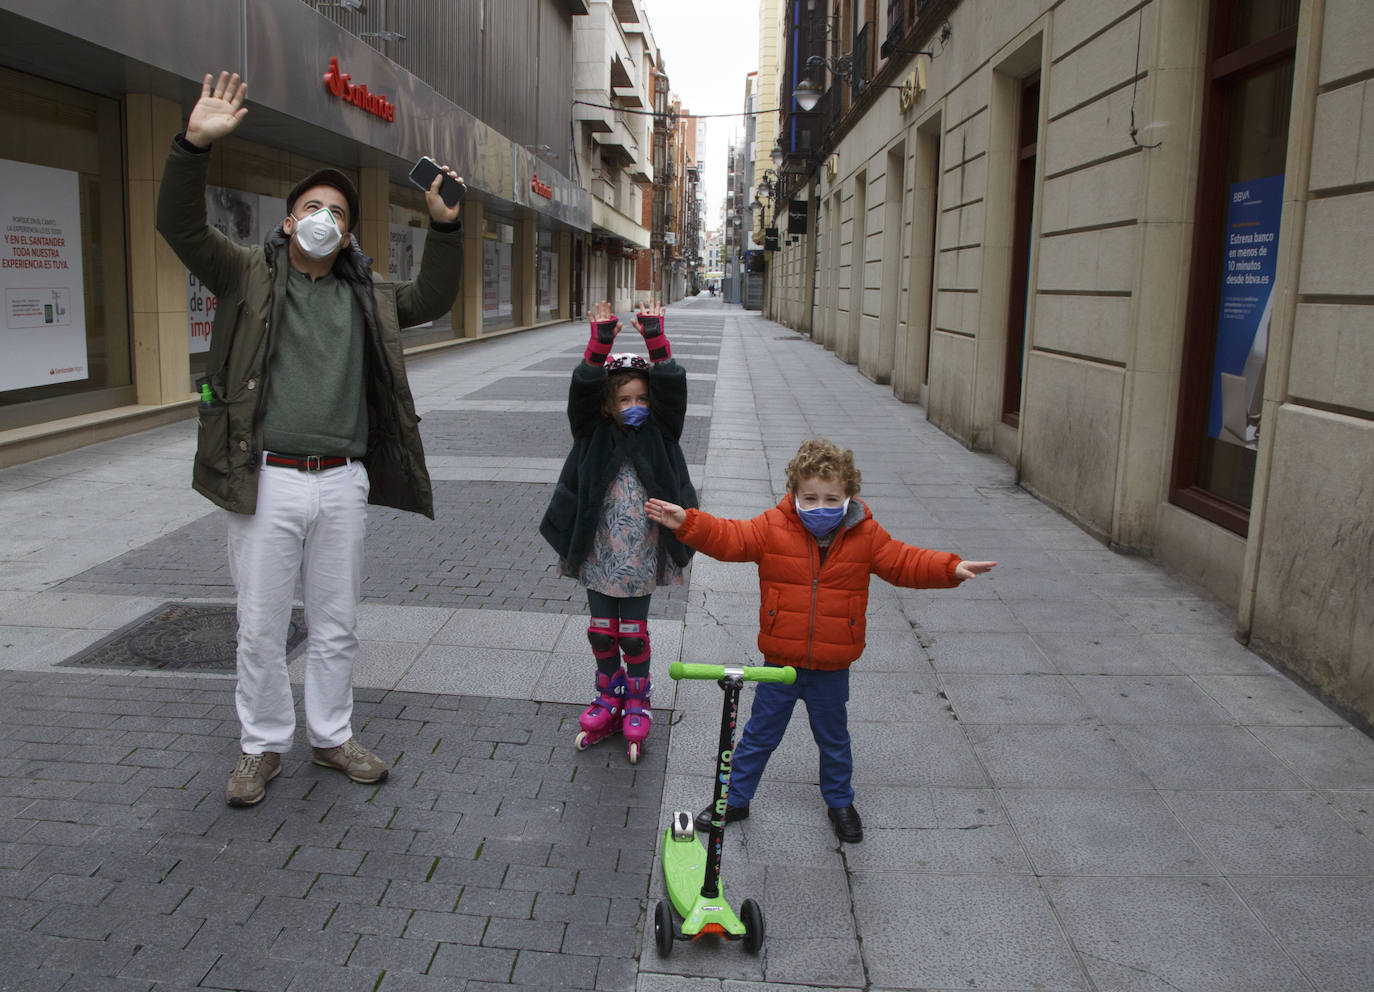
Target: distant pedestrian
x,y
627,416
305,417
815,551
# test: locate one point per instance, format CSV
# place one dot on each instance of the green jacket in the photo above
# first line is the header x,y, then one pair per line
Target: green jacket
x,y
249,283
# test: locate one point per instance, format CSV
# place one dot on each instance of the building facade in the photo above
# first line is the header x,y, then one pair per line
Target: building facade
x,y
1116,243
105,332
617,68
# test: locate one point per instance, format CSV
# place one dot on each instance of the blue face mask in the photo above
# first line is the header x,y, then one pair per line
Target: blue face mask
x,y
634,416
823,519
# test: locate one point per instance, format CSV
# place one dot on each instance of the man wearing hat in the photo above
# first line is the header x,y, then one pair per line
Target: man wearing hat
x,y
305,417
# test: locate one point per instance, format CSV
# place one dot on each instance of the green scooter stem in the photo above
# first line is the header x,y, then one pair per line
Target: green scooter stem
x,y
691,873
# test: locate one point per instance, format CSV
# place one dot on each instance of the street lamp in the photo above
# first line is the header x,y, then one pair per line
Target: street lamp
x,y
777,154
808,93
767,189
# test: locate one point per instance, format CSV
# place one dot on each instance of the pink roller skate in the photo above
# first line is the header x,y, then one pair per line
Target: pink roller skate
x,y
603,717
634,648
637,718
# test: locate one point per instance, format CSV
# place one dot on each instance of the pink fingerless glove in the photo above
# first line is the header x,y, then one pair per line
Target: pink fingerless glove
x,y
600,341
651,328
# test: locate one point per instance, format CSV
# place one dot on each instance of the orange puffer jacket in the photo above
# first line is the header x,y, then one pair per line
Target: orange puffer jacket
x,y
813,615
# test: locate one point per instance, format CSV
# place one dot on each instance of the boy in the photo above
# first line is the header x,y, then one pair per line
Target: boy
x,y
815,551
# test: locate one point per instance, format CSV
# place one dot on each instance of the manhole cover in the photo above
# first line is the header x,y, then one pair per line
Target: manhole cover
x,y
179,635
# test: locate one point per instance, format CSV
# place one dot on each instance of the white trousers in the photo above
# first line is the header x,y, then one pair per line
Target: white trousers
x,y
309,524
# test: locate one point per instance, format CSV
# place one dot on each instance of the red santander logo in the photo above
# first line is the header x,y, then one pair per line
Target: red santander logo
x,y
374,103
543,189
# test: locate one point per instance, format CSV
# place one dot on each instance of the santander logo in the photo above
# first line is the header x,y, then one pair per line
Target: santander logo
x,y
543,189
374,103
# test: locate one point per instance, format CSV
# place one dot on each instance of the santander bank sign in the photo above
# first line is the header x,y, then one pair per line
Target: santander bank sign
x,y
374,103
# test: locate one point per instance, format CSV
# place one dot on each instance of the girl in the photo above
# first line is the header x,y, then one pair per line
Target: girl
x,y
626,416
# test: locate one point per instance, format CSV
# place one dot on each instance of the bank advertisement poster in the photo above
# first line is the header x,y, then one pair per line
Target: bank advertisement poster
x,y
44,330
245,219
407,248
1247,303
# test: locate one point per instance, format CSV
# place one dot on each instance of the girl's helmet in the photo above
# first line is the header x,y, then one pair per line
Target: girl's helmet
x,y
626,361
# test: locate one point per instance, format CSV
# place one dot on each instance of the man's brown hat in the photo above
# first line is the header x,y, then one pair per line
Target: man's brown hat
x,y
327,177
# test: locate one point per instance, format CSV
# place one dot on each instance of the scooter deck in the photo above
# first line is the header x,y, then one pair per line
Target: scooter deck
x,y
684,868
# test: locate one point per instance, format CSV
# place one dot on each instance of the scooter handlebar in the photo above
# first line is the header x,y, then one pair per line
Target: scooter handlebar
x,y
785,674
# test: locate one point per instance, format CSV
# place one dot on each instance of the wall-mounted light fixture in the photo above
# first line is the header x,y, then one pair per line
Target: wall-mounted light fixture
x,y
383,35
808,92
354,5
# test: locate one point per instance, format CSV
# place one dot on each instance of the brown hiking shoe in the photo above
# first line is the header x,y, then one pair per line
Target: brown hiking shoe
x,y
248,781
354,760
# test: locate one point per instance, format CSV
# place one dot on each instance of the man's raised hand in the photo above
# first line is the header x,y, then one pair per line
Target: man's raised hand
x,y
219,110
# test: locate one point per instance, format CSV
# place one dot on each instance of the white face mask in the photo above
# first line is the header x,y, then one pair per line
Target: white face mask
x,y
317,234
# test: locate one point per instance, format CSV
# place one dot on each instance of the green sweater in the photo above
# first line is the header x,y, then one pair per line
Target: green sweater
x,y
315,403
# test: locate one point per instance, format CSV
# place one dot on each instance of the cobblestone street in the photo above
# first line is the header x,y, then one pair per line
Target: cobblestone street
x,y
1072,777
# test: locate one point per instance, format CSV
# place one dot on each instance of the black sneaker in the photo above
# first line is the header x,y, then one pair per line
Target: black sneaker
x,y
733,814
848,827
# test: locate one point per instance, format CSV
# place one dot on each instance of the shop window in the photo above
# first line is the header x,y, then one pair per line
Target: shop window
x,y
546,277
1232,284
498,245
408,225
65,330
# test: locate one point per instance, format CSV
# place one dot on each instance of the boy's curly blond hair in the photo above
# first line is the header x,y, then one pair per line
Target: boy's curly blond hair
x,y
822,459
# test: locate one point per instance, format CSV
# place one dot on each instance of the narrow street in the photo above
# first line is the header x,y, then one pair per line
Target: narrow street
x,y
1072,776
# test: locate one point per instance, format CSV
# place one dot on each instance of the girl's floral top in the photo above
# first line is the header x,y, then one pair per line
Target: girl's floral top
x,y
625,559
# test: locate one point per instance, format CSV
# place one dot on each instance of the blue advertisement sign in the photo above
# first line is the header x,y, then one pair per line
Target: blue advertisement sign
x,y
1247,303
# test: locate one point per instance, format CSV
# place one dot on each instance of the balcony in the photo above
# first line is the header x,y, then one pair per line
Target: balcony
x,y
618,146
598,119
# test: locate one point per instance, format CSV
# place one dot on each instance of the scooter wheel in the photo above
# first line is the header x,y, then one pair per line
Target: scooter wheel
x,y
663,928
580,741
752,917
632,749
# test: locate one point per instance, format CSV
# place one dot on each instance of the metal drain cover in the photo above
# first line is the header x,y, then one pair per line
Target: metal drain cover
x,y
202,637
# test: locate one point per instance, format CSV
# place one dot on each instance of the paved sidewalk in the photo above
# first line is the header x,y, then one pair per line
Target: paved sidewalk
x,y
1072,777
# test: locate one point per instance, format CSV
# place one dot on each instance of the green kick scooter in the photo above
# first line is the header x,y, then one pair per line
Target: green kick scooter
x,y
692,873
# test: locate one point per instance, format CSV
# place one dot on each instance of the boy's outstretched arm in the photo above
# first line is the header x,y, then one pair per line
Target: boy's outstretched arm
x,y
718,537
968,569
666,514
920,568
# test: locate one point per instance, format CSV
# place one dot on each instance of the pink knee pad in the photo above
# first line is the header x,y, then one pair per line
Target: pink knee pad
x,y
634,641
602,637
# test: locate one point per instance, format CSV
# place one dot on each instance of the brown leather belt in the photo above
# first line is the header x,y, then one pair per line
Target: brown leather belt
x,y
304,463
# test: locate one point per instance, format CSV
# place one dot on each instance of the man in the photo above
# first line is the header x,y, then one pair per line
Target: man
x,y
305,417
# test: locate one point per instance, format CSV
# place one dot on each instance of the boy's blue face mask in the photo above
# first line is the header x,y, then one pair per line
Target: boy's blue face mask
x,y
823,519
634,416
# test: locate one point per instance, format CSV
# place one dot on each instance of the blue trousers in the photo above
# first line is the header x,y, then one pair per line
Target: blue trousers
x,y
826,695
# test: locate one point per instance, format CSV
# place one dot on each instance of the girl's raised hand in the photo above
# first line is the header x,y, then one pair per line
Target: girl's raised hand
x,y
649,324
605,327
666,514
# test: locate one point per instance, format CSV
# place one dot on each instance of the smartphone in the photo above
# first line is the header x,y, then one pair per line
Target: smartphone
x,y
450,190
